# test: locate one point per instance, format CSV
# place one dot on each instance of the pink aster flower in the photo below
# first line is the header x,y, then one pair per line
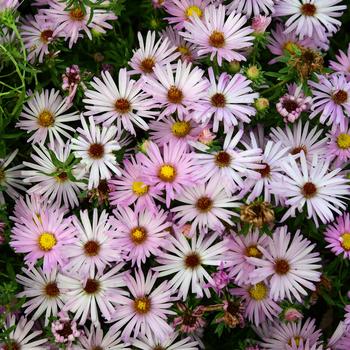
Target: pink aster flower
x,y
206,206
221,280
240,248
313,186
228,100
257,303
289,263
260,23
65,330
8,4
170,170
176,91
292,104
331,99
338,148
219,36
252,7
70,81
147,308
342,64
139,233
45,236
338,236
291,314
126,104
75,21
151,53
311,17
45,115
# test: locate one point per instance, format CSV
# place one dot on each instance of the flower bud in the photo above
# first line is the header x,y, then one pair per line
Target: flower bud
x,y
261,104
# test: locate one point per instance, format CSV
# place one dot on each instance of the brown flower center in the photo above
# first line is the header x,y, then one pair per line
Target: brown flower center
x,y
92,286
51,290
218,100
62,177
217,39
290,106
147,65
309,190
138,235
340,97
222,159
175,95
97,348
46,119
308,9
265,172
66,331
297,150
204,204
281,266
103,187
122,106
96,151
12,346
46,35
91,248
158,347
77,14
142,305
192,261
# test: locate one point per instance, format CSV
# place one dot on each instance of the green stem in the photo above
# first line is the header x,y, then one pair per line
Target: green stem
x,y
281,83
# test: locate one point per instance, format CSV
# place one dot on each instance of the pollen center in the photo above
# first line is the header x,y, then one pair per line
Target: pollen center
x,y
138,235
96,151
46,35
290,105
47,241
258,291
308,9
309,190
46,119
265,172
167,173
340,97
253,251
193,10
142,305
343,141
297,150
77,14
91,248
183,50
217,39
282,266
147,65
122,106
204,204
181,129
192,260
51,290
223,159
92,286
139,188
345,241
175,95
218,100
62,177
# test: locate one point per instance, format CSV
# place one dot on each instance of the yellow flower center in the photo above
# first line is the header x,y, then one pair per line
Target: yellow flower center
x,y
343,141
345,241
296,339
139,188
253,251
181,129
289,46
46,119
142,305
193,10
138,235
167,173
47,241
183,50
258,291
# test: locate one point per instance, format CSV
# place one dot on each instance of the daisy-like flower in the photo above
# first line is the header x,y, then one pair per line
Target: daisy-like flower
x,y
176,91
230,164
130,188
182,11
292,104
151,53
331,99
338,148
147,308
94,295
54,183
342,64
206,206
37,35
252,7
161,131
282,334
95,339
140,233
338,236
240,248
75,21
95,146
46,115
219,36
43,293
187,259
151,342
300,138
312,186
10,178
311,17
170,170
43,236
125,104
228,101
258,305
22,335
289,263
95,247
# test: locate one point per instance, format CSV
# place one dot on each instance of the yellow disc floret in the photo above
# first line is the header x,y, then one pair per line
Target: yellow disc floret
x,y
343,141
167,173
47,241
193,10
181,129
258,291
139,188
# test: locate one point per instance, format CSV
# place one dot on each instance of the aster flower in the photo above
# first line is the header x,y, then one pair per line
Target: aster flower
x,y
22,335
331,99
257,303
228,101
186,259
151,342
75,21
310,17
98,289
257,214
260,24
342,64
300,138
45,115
217,36
176,91
170,170
147,308
140,233
65,330
206,206
70,81
283,334
95,339
95,247
127,104
249,7
240,248
95,146
338,148
54,183
314,186
10,178
229,164
41,289
290,263
151,53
